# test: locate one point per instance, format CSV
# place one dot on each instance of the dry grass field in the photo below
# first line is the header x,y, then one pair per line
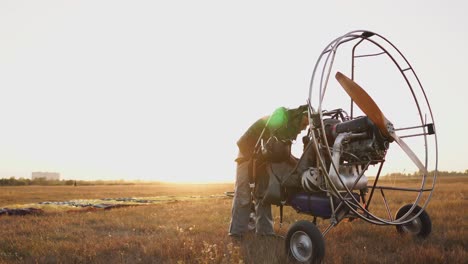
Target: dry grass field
x,y
196,231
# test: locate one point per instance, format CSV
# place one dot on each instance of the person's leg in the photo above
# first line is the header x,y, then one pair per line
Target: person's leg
x,y
264,220
241,205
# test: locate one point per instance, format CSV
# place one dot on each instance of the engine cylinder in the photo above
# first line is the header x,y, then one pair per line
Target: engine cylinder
x,y
360,124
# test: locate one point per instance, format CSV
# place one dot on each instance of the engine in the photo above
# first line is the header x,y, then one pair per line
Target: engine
x,y
354,145
364,142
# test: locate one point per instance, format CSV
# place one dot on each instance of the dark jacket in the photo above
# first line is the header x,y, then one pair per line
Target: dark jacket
x,y
287,130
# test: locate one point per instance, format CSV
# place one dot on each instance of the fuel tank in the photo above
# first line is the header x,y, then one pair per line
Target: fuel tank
x,y
315,204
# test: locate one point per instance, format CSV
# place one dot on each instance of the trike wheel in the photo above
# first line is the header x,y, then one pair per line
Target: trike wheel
x,y
421,226
304,243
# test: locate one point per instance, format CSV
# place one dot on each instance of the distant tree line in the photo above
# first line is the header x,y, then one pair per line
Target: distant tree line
x,y
439,173
12,181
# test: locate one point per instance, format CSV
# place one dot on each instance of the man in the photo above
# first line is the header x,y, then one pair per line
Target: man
x,y
281,127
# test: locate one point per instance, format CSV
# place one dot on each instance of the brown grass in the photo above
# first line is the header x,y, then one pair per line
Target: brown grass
x,y
33,194
196,231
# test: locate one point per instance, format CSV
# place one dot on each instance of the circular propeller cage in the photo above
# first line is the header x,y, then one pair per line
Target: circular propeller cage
x,y
323,80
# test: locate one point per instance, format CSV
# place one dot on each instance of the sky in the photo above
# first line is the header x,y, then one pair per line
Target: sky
x,y
162,90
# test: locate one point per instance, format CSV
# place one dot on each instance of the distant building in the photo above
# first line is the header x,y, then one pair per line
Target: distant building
x,y
50,176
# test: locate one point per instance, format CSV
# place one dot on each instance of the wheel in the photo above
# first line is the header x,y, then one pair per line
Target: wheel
x,y
420,226
304,243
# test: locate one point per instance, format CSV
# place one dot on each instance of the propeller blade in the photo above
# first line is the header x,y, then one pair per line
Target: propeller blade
x,y
370,108
364,101
410,153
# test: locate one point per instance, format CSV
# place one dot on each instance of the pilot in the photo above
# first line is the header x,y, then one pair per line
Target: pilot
x,y
276,131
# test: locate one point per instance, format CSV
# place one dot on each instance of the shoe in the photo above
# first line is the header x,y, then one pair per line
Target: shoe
x,y
236,237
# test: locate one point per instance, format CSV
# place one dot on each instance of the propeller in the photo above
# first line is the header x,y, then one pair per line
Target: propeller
x,y
370,108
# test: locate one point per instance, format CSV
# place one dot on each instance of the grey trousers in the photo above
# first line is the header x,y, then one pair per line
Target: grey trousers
x,y
241,205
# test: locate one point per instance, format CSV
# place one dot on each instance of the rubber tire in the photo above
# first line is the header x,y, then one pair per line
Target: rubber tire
x,y
318,250
426,224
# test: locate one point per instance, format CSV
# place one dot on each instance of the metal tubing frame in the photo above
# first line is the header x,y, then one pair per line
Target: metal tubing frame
x,y
407,128
373,187
415,135
403,189
402,71
386,205
330,50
